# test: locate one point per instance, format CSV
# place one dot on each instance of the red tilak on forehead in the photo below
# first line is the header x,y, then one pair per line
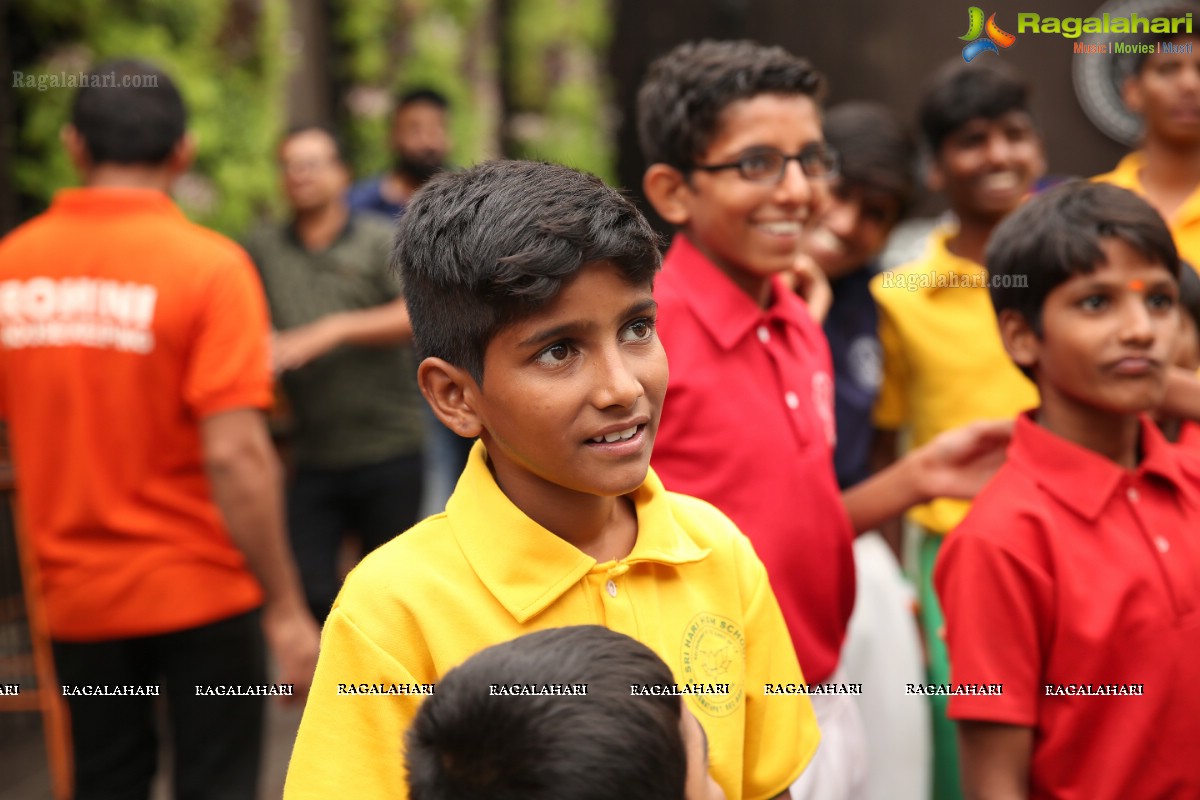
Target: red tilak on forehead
x,y
1137,285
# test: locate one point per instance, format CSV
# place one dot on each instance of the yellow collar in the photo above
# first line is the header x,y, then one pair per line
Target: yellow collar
x,y
525,566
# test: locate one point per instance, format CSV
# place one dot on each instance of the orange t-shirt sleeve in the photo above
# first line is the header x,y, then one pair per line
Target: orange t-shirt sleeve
x,y
229,367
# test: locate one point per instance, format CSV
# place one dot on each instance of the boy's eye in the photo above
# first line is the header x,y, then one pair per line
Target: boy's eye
x,y
639,330
1160,301
1166,68
759,165
555,354
1018,133
1093,302
876,213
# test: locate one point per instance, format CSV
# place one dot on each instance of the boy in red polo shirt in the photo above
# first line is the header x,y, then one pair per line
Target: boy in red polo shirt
x,y
1074,581
748,421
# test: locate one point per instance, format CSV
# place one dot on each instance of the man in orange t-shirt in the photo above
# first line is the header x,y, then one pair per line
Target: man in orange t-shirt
x,y
133,374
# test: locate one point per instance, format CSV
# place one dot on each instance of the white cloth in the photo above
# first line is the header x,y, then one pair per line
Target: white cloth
x,y
838,769
883,652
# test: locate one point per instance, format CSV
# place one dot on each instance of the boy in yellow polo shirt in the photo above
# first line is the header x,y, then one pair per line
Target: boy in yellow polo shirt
x,y
943,362
529,287
1163,88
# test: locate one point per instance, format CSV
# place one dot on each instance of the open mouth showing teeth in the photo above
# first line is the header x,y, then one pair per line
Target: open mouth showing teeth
x,y
782,228
618,436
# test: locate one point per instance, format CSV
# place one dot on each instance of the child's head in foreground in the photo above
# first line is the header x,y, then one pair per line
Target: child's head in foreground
x,y
983,149
871,193
529,288
1085,287
468,744
731,133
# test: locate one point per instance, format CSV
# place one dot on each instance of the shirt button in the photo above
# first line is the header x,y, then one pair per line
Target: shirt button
x,y
1132,494
792,400
764,335
611,587
1162,544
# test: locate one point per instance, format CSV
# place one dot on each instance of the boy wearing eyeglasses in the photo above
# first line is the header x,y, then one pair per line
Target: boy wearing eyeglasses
x,y
737,163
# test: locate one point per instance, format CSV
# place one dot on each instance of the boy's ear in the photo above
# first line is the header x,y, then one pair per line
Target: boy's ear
x,y
667,190
76,147
935,179
1022,343
452,394
1131,94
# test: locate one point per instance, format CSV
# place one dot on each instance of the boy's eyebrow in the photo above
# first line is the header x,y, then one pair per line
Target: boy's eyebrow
x,y
1093,283
576,327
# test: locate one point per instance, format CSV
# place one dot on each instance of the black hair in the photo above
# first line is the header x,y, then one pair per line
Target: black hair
x,y
468,744
129,112
960,92
1059,234
422,95
1145,44
339,145
876,152
484,248
682,97
1189,292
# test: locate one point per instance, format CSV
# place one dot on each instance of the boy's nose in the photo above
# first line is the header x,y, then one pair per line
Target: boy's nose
x,y
1137,327
998,149
841,217
796,188
616,383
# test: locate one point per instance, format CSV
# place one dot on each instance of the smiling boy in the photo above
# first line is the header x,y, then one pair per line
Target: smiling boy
x,y
529,287
1075,579
731,132
943,362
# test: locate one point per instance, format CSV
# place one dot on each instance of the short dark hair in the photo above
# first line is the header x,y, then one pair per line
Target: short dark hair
x,y
129,112
1189,292
876,152
339,146
684,92
421,95
959,92
466,744
1059,233
484,248
1141,52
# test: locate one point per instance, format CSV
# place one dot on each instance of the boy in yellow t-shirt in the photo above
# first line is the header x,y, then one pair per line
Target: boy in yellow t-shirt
x,y
529,287
943,362
1165,169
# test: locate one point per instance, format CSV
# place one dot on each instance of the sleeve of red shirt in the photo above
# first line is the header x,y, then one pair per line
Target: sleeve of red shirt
x,y
997,608
229,365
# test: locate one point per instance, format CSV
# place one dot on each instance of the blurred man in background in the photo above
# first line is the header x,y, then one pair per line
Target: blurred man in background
x,y
341,347
133,373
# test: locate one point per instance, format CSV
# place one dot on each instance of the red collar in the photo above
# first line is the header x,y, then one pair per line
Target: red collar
x,y
722,308
1082,479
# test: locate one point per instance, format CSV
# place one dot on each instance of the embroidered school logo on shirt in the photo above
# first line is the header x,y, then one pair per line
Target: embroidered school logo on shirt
x,y
983,37
714,652
48,312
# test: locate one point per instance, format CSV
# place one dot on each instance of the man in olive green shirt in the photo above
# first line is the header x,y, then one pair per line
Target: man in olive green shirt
x,y
342,349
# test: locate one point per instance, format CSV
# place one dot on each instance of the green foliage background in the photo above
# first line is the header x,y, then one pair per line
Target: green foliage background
x,y
524,77
225,55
